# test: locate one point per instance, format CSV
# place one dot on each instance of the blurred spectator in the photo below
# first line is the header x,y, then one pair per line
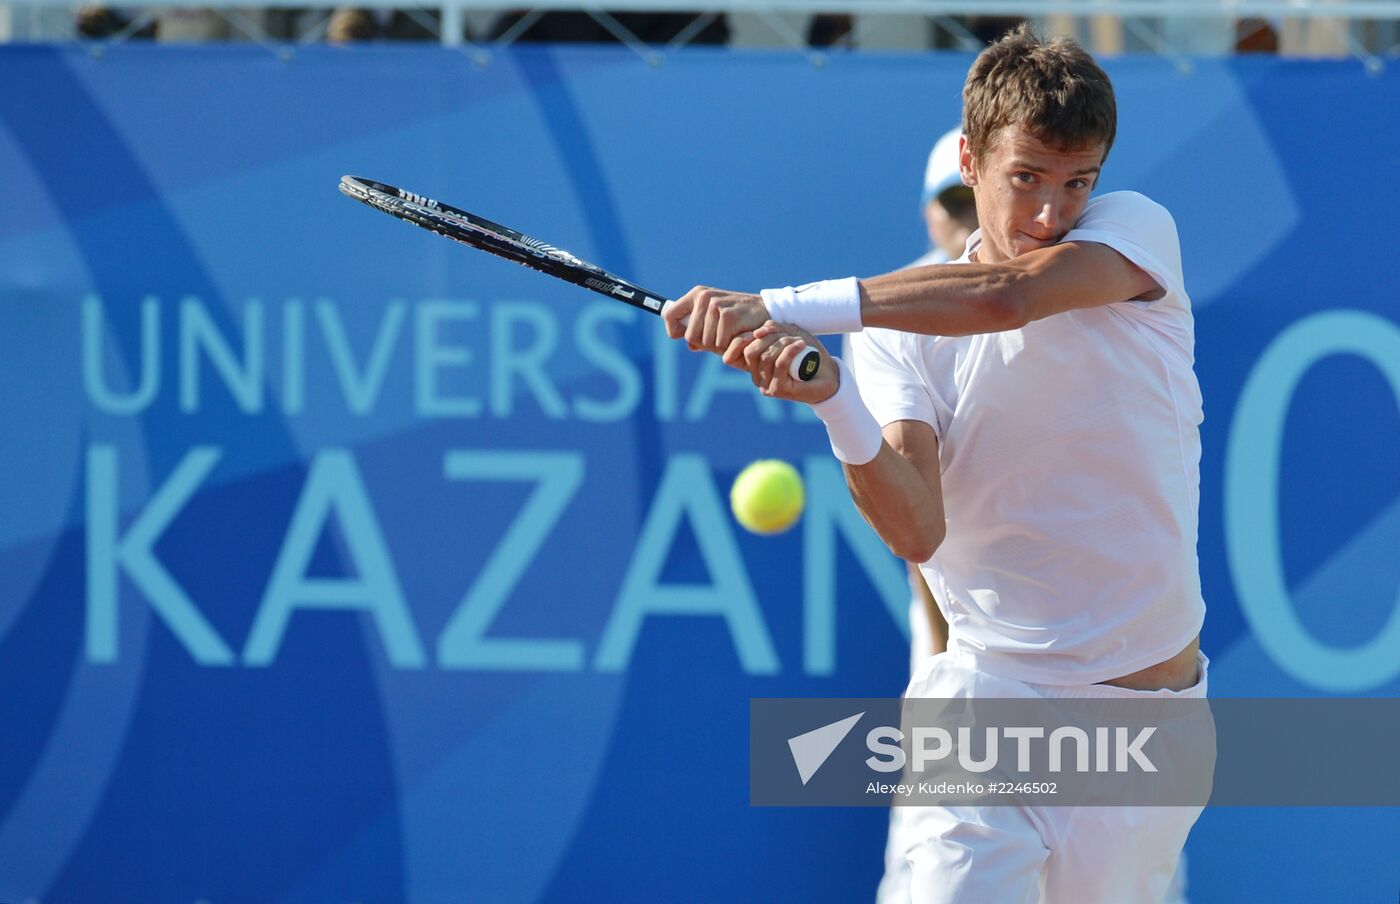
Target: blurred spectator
x,y
346,25
191,24
831,30
1255,36
950,213
351,24
563,26
108,22
989,29
950,218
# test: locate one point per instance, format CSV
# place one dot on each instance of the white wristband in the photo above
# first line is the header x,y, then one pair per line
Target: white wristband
x,y
855,436
829,306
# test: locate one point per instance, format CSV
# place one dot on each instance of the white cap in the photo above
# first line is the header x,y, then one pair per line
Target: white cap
x,y
943,170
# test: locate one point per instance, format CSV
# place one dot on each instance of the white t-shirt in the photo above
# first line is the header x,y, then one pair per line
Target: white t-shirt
x,y
938,358
1070,456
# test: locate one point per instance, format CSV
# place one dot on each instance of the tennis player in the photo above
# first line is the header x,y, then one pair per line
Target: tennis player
x,y
1047,481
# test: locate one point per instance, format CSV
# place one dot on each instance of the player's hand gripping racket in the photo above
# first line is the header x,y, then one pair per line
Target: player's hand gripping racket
x,y
470,229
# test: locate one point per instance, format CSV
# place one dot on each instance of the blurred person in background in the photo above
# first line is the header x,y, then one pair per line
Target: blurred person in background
x,y
950,215
949,210
832,30
1254,35
990,29
349,25
109,21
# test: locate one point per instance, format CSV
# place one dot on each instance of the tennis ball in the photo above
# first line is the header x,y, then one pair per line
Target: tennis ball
x,y
767,496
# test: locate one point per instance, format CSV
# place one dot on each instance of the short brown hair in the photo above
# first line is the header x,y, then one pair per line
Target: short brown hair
x,y
1053,88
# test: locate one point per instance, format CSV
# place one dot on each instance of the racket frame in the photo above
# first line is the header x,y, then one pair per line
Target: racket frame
x,y
478,232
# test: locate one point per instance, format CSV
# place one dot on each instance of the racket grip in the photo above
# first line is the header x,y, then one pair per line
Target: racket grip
x,y
805,366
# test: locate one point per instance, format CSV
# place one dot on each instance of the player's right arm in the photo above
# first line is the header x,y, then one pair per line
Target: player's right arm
x,y
901,497
898,491
1123,249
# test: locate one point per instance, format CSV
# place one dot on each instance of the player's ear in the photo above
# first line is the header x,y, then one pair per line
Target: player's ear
x,y
967,164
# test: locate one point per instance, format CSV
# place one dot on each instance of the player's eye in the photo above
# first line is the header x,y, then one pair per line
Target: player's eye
x,y
1077,184
1024,177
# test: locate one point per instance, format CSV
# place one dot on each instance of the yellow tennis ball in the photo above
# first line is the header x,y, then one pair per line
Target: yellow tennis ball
x,y
767,496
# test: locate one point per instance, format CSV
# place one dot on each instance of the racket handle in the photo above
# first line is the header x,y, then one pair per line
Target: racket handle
x,y
805,366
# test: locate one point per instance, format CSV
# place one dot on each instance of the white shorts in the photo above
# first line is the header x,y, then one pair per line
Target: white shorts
x,y
1039,855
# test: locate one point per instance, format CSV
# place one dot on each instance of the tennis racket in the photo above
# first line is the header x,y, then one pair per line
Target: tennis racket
x,y
470,229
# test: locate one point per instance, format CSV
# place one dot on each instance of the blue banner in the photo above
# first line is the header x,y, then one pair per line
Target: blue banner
x,y
341,563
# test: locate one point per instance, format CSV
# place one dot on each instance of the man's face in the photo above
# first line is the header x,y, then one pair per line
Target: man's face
x,y
1029,194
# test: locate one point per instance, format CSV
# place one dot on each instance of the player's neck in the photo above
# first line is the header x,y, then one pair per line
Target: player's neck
x,y
988,253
